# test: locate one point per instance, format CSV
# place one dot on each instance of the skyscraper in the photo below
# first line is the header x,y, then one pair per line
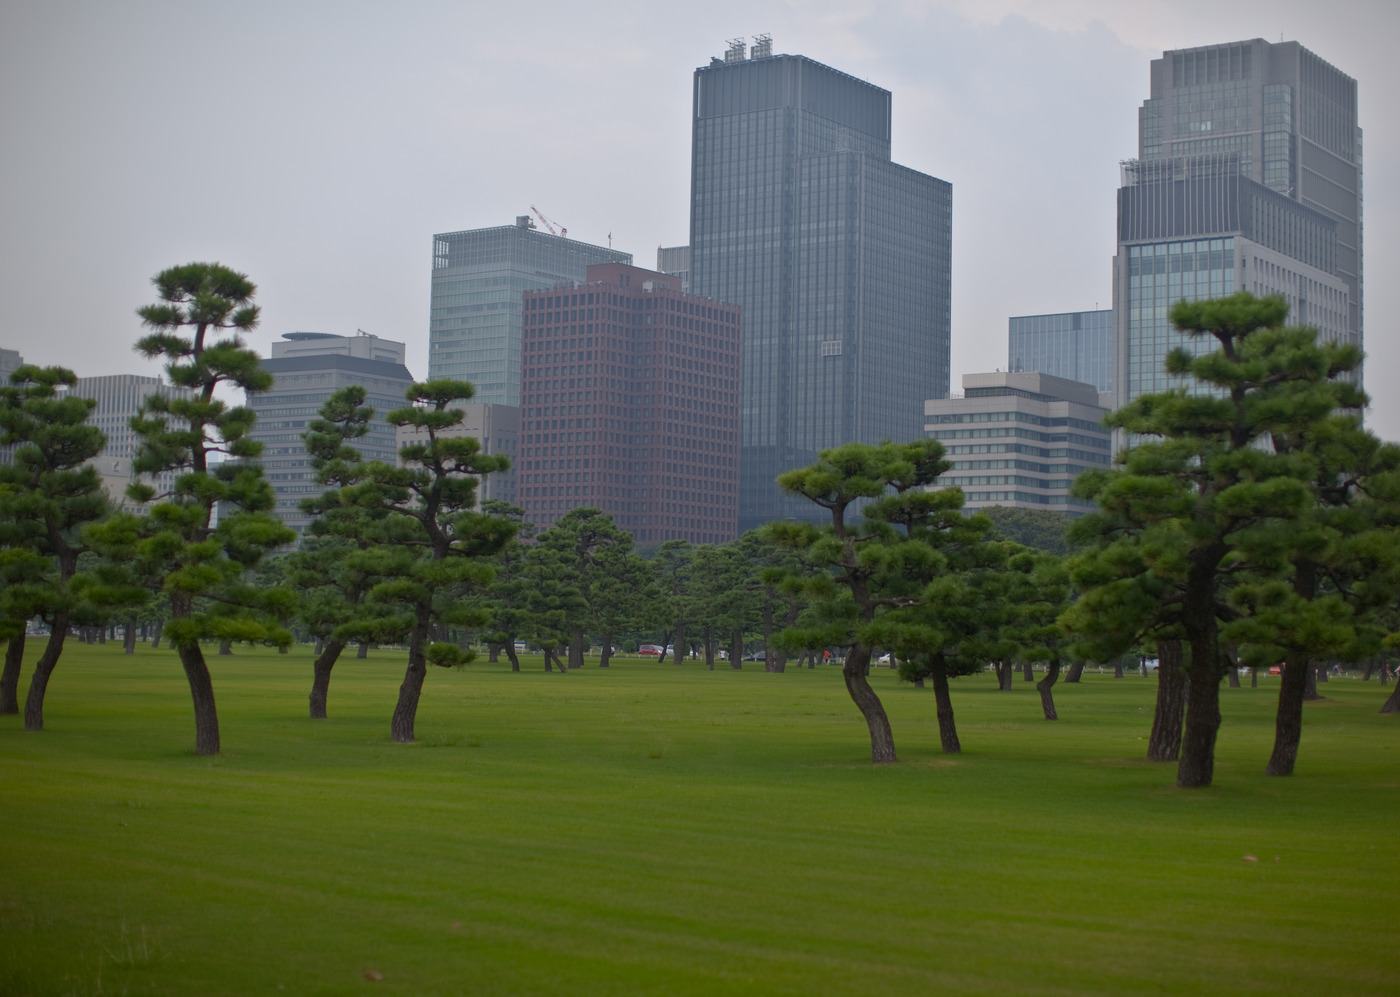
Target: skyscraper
x,y
309,367
1073,345
478,277
630,402
1248,177
839,258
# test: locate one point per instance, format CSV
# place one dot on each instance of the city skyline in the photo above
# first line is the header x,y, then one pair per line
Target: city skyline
x,y
333,179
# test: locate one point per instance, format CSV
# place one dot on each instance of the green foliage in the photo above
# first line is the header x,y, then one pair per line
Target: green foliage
x,y
1043,529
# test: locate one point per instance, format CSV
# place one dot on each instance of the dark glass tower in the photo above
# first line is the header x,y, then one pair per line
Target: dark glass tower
x,y
1248,178
839,258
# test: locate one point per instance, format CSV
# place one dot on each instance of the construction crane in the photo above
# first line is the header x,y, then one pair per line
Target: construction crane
x,y
563,233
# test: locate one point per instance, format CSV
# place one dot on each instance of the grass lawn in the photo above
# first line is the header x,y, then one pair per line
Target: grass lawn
x,y
670,830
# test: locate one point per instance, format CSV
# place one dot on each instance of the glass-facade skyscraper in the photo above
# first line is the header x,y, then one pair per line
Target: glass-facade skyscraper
x,y
839,258
1077,346
1248,177
479,276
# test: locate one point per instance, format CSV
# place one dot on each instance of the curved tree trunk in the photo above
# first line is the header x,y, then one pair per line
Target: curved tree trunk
x,y
1164,744
1045,687
1392,703
1288,722
321,676
226,646
406,710
155,634
881,738
1003,674
43,668
206,717
947,726
510,653
9,679
1076,669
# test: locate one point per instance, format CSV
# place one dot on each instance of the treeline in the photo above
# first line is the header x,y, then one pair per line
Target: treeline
x,y
1253,520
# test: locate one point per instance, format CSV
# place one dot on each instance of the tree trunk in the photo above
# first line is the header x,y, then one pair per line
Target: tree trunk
x,y
576,650
493,653
155,634
318,645
605,652
1044,687
736,649
9,679
226,646
1254,677
1164,744
710,649
1321,671
129,636
510,653
770,659
1028,670
1310,693
1118,667
1232,672
548,662
1197,766
406,710
1075,670
1003,674
1392,703
43,668
206,717
881,738
947,727
1385,673
1370,667
1288,722
680,643
811,658
102,635
321,676
362,652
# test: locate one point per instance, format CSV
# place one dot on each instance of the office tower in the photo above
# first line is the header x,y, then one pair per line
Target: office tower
x,y
119,397
675,262
1019,439
1248,177
10,361
478,277
497,429
630,404
838,257
1077,346
309,367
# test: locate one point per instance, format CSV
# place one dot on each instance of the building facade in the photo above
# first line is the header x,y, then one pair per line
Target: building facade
x,y
118,398
1248,177
1019,439
839,258
478,278
309,367
630,404
674,261
1077,346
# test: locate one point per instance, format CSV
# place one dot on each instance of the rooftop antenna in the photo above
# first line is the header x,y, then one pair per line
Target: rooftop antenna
x,y
762,46
737,50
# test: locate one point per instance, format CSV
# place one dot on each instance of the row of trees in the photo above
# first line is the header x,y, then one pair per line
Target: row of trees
x,y
1253,518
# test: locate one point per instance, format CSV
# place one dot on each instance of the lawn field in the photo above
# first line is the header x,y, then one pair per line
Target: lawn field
x,y
663,829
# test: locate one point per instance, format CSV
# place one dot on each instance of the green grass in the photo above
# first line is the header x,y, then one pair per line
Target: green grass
x,y
668,830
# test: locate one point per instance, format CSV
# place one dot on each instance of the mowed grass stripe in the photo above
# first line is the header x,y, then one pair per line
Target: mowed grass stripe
x,y
664,829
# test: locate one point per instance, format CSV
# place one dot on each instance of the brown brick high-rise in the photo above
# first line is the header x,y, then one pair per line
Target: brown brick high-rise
x,y
630,404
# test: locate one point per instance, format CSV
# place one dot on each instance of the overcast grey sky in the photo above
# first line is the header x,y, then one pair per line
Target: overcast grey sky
x,y
318,146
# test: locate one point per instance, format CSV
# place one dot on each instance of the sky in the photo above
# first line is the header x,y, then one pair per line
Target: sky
x,y
318,146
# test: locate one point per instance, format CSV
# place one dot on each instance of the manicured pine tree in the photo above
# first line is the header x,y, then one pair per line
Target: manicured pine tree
x,y
1173,512
48,494
508,597
178,547
873,566
436,544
